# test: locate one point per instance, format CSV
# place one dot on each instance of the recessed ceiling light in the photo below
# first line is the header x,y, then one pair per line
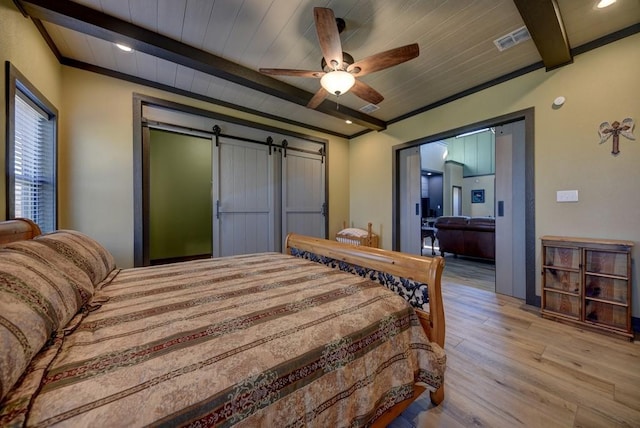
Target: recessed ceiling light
x,y
124,47
605,3
348,122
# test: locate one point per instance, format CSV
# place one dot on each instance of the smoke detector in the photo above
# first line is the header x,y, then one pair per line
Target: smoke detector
x,y
513,38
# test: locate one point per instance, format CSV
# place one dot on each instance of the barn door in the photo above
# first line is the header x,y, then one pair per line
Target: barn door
x,y
510,210
410,198
303,194
243,195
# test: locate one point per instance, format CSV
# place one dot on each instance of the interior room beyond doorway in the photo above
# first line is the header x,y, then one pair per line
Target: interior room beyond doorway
x,y
493,188
458,179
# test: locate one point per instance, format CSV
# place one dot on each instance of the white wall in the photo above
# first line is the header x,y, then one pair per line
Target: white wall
x,y
485,182
432,156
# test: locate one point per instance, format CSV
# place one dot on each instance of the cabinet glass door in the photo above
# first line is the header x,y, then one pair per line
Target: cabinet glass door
x,y
605,288
562,280
562,257
605,313
562,303
606,262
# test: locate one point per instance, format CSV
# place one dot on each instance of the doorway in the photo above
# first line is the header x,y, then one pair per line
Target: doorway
x,y
466,163
179,197
262,182
513,214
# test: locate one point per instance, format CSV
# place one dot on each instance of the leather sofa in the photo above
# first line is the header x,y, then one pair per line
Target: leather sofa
x,y
467,236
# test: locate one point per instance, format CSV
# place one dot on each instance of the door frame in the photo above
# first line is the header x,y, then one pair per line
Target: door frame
x,y
141,163
149,144
530,237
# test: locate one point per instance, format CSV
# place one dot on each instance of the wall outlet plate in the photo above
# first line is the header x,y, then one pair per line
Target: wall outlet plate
x,y
567,196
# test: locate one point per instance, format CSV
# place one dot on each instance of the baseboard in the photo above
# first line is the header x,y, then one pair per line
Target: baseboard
x,y
179,259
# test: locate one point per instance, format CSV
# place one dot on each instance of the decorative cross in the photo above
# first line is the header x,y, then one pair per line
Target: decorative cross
x,y
616,129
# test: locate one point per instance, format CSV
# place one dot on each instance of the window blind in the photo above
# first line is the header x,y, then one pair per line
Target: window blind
x,y
34,164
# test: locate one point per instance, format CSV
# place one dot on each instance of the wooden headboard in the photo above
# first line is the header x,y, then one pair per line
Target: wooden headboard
x,y
19,229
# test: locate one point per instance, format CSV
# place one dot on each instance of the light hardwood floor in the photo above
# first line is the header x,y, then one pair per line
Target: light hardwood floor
x,y
508,367
472,272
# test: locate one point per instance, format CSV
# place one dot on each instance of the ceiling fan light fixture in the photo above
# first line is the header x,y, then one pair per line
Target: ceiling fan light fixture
x,y
337,82
605,3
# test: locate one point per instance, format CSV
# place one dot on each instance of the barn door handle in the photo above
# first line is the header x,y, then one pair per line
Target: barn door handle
x,y
417,209
218,209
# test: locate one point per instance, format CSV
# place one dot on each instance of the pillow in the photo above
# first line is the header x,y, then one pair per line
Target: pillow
x,y
81,250
49,255
352,231
35,301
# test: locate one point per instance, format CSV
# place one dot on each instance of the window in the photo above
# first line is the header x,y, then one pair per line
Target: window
x,y
31,153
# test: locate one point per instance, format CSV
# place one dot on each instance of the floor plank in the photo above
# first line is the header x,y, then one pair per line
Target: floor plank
x,y
508,367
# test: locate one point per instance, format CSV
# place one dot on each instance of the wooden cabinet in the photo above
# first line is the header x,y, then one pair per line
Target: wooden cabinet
x,y
588,281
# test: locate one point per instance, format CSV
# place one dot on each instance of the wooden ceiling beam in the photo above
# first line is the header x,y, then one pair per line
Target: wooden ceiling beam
x,y
544,22
83,19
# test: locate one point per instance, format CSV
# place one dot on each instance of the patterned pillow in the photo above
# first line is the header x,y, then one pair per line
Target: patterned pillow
x,y
35,301
81,250
47,254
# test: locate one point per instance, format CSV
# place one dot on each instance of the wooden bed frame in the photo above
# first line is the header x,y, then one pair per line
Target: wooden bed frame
x,y
18,230
421,269
426,270
371,240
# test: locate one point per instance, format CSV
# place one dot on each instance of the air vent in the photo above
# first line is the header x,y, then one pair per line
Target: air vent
x,y
369,108
513,38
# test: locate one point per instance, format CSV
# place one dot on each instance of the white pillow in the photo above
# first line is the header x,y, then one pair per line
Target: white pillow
x,y
352,231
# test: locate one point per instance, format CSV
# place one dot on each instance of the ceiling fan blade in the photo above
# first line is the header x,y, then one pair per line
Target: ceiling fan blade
x,y
383,60
328,36
366,92
291,72
318,98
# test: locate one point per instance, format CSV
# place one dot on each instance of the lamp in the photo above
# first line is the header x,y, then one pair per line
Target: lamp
x,y
337,82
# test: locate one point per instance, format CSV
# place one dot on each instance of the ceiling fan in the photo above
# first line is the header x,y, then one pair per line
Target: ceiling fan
x,y
339,70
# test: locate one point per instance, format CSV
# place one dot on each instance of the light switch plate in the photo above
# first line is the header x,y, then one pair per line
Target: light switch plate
x,y
567,196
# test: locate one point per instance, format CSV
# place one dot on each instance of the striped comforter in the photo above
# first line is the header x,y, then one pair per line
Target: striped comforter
x,y
258,340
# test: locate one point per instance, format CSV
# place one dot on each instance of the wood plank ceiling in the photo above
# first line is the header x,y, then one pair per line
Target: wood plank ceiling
x,y
212,50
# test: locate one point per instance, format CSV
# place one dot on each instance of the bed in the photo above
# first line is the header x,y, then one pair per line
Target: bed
x,y
307,338
357,236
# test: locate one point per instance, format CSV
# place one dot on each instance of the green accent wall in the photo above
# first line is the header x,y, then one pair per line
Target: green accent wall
x,y
180,195
476,152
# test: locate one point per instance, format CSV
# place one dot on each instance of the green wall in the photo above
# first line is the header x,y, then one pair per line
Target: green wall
x,y
180,193
476,152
